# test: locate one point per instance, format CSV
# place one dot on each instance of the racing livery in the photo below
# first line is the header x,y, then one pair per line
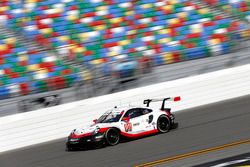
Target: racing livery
x,y
124,123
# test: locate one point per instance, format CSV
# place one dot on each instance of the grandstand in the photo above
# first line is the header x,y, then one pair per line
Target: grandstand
x,y
24,71
238,8
93,32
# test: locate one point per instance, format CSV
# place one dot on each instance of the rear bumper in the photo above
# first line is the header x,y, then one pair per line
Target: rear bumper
x,y
174,124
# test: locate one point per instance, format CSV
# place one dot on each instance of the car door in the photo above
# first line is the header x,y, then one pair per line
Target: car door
x,y
134,125
147,119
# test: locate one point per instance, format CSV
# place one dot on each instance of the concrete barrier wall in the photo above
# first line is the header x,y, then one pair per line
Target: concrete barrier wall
x,y
43,125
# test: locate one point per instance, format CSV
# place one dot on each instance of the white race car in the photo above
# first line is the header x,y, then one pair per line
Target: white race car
x,y
124,123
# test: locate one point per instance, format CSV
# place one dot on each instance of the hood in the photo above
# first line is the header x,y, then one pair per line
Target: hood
x,y
88,130
84,130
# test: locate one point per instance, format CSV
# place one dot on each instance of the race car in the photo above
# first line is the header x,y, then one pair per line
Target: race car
x,y
125,68
124,123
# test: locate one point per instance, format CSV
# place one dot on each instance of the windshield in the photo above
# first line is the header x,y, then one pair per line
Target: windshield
x,y
109,117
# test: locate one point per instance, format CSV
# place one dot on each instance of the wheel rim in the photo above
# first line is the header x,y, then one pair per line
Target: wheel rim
x,y
163,124
113,137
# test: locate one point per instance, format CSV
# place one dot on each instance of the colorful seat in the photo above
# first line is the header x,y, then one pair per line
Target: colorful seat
x,y
24,71
239,8
98,31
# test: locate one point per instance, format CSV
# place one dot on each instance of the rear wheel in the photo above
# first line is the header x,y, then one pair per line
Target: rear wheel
x,y
112,137
163,124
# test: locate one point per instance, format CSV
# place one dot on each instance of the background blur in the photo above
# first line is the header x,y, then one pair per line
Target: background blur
x,y
58,51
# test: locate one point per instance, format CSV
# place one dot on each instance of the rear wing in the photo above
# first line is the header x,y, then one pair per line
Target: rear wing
x,y
148,101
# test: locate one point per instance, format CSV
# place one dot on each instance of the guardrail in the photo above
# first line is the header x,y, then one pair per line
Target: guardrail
x,y
52,123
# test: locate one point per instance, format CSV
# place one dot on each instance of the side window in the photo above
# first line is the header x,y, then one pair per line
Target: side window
x,y
137,112
146,111
132,113
128,113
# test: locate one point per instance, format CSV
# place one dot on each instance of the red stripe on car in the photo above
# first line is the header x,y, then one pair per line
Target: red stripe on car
x,y
137,135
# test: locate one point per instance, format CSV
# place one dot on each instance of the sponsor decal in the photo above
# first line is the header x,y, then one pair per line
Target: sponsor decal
x,y
136,124
154,124
149,126
128,127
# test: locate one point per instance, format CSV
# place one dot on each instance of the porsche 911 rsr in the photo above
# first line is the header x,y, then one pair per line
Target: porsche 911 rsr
x,y
124,123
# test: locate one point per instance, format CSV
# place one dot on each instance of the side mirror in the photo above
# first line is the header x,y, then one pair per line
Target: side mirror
x,y
126,119
95,120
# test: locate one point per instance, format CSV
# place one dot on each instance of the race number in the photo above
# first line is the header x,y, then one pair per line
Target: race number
x,y
128,127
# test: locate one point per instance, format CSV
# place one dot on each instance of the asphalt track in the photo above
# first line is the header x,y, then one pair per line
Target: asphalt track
x,y
200,128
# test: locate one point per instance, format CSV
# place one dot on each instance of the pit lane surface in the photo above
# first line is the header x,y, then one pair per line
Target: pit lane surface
x,y
200,128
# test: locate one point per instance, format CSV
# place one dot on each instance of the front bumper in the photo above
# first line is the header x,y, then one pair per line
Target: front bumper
x,y
85,141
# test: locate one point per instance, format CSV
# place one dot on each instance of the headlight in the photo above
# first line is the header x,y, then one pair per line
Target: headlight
x,y
99,136
96,130
74,140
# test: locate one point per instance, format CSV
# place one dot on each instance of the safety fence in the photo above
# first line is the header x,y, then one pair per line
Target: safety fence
x,y
48,124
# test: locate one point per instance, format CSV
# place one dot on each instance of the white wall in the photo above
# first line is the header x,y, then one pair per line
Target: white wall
x,y
43,125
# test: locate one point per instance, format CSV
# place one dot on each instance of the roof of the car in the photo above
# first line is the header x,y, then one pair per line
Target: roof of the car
x,y
120,108
125,108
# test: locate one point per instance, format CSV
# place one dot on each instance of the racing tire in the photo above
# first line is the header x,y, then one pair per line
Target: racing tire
x,y
163,124
112,137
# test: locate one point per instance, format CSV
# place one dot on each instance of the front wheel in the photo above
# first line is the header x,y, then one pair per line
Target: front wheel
x,y
163,124
69,149
112,137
